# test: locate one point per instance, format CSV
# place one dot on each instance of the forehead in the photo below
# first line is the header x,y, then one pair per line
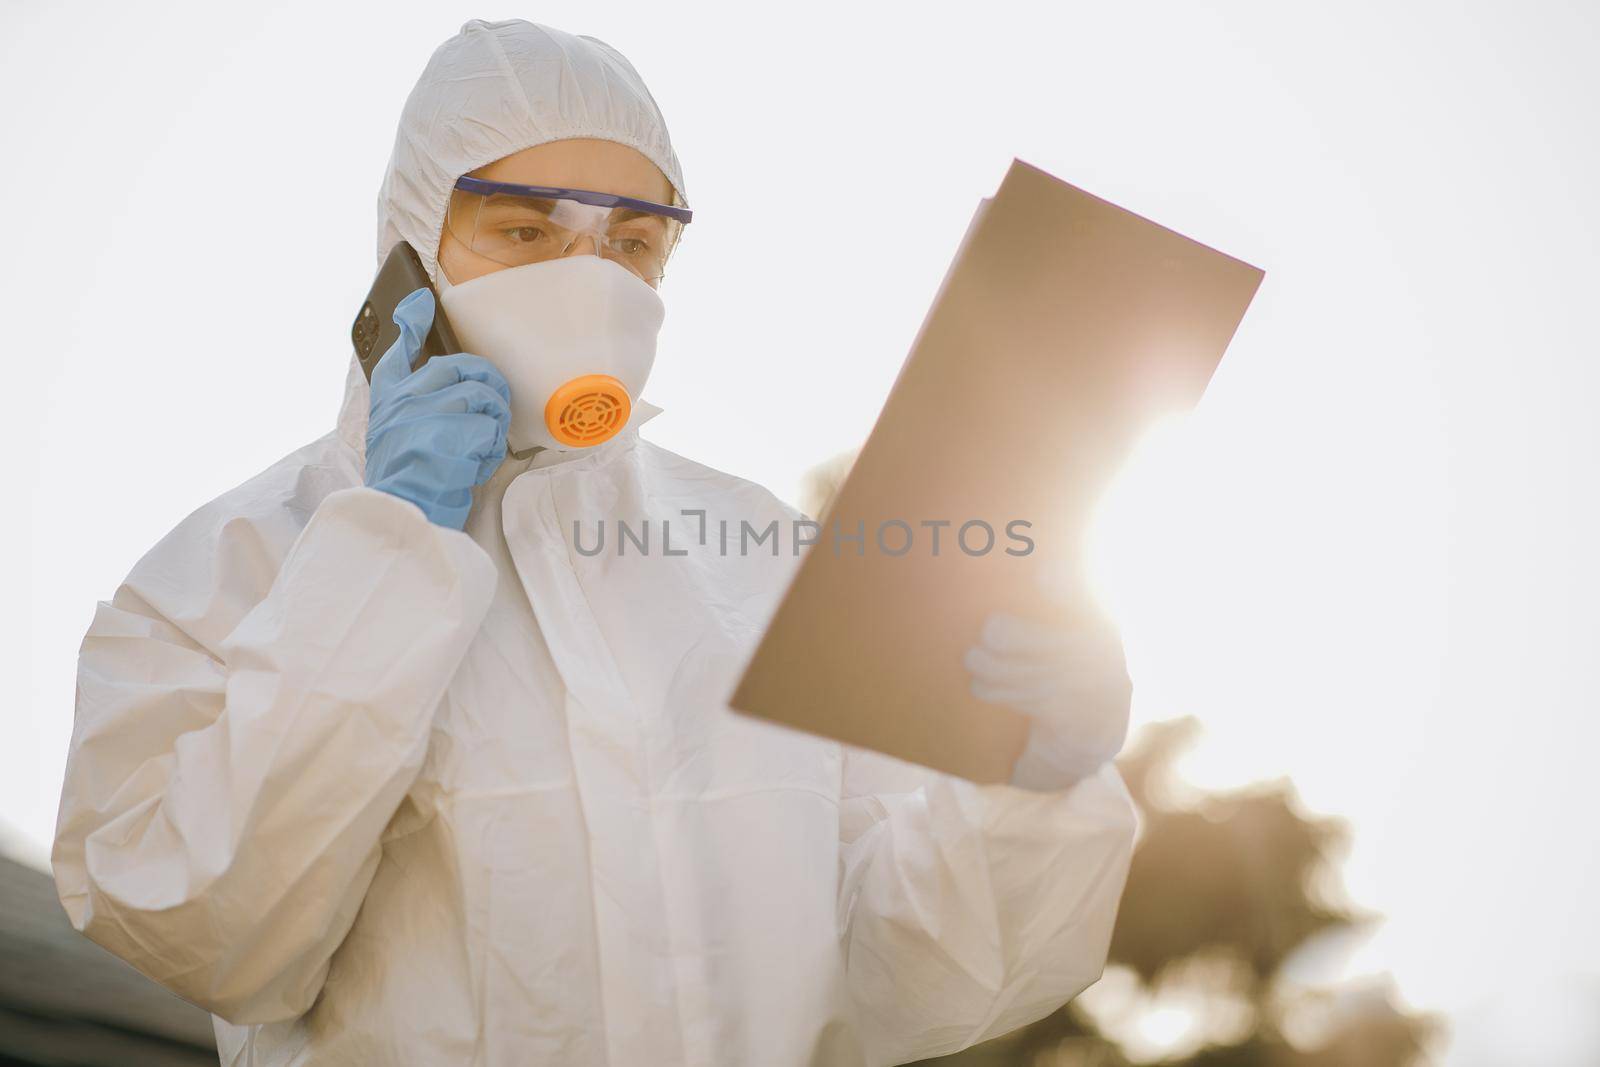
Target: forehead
x,y
583,163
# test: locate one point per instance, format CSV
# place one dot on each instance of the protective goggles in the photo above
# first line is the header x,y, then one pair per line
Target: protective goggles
x,y
520,224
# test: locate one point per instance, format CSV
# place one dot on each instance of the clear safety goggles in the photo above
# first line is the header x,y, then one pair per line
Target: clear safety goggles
x,y
515,225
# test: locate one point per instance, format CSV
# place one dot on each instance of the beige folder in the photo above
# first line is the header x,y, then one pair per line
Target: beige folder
x,y
1065,326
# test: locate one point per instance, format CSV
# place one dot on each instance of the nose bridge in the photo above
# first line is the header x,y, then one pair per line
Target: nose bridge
x,y
584,243
585,228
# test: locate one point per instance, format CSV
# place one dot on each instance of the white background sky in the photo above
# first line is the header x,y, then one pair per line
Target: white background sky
x,y
1367,561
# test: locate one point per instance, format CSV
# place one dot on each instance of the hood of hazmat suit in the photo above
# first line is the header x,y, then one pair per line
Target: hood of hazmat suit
x,y
374,791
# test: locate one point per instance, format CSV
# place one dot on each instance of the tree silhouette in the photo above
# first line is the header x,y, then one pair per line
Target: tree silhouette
x,y
1222,893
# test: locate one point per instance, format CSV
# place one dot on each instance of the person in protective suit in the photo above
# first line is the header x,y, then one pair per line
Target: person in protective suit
x,y
376,763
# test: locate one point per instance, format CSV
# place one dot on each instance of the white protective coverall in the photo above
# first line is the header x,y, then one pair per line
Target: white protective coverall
x,y
375,791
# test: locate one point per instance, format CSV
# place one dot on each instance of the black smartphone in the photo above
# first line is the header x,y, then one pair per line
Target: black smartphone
x,y
374,330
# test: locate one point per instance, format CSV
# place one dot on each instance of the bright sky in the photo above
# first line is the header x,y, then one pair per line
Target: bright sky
x,y
1366,561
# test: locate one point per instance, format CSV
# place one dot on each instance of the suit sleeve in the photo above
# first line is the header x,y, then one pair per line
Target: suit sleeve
x,y
968,911
225,793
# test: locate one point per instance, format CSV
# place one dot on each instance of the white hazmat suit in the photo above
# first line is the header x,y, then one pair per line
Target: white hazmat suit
x,y
375,791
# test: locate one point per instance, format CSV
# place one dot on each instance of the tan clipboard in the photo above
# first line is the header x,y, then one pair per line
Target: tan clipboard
x,y
1065,327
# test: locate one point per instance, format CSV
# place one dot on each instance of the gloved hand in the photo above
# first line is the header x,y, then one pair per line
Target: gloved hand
x,y
434,434
1072,683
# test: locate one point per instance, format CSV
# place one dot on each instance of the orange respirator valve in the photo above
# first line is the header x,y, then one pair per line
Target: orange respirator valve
x,y
587,410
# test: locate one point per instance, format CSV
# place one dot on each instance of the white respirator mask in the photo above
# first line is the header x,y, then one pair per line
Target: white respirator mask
x,y
575,338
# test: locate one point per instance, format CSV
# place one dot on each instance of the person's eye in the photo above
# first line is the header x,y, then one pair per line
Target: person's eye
x,y
631,246
525,234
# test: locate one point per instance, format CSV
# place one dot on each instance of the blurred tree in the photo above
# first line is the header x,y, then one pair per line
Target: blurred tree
x,y
1222,892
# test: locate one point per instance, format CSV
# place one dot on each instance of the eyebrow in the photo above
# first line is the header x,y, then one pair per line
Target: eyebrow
x,y
548,206
506,200
628,214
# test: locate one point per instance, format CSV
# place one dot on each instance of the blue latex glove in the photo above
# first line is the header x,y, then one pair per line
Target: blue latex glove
x,y
434,434
1072,683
